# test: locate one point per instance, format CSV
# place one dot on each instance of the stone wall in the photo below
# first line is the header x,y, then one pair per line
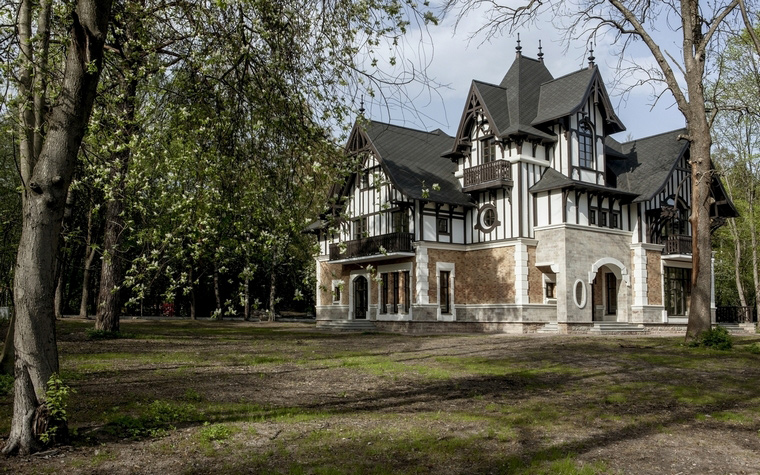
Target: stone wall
x,y
535,278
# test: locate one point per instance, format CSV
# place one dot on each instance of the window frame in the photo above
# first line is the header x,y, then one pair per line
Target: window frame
x,y
586,145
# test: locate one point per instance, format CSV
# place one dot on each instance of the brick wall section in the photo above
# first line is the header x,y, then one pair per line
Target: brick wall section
x,y
535,279
654,278
328,273
482,277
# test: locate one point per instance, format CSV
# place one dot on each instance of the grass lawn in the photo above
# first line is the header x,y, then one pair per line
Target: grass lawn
x,y
235,397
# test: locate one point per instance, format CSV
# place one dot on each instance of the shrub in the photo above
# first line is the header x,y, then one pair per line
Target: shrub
x,y
716,338
754,348
6,384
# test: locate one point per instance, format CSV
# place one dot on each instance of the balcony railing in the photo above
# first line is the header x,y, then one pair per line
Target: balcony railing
x,y
375,245
677,244
489,175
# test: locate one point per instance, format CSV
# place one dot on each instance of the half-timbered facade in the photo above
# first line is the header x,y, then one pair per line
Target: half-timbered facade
x,y
531,218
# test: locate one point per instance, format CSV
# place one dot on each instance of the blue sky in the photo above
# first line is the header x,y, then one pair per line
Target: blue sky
x,y
454,60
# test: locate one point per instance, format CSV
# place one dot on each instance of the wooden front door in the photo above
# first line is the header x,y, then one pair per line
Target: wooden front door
x,y
611,294
360,298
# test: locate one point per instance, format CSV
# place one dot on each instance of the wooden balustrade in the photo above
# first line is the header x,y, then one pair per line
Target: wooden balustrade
x,y
488,175
393,242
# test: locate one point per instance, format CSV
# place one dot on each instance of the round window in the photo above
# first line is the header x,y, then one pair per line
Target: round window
x,y
580,293
487,218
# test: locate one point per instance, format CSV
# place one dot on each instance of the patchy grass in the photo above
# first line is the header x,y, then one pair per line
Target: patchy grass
x,y
237,397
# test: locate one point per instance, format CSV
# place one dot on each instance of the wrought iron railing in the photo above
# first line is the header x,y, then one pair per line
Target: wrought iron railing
x,y
494,173
383,244
735,314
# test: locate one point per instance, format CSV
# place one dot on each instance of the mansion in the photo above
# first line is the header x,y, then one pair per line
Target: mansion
x,y
532,218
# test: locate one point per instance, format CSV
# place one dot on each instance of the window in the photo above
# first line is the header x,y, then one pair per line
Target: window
x,y
603,218
487,218
336,294
550,290
361,229
580,293
677,290
585,146
395,288
364,179
615,220
444,292
443,225
487,150
400,222
592,216
407,292
611,294
384,293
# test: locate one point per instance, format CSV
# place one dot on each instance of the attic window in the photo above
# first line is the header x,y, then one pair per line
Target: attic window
x,y
365,179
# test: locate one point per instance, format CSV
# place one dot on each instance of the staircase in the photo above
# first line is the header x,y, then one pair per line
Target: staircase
x,y
347,325
617,328
550,327
738,327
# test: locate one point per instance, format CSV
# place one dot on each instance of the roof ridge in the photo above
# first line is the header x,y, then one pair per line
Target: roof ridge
x,y
436,132
595,68
654,136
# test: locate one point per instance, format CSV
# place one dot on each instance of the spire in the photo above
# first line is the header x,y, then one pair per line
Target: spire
x,y
518,48
361,107
591,57
540,52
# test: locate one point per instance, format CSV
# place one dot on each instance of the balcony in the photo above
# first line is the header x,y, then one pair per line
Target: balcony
x,y
677,244
371,246
489,175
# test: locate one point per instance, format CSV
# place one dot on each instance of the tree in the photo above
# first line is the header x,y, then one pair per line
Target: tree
x,y
625,22
48,147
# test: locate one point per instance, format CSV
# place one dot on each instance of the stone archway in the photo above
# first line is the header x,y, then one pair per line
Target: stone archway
x,y
610,284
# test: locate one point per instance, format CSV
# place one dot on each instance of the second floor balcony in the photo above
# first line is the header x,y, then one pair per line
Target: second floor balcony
x,y
384,244
676,244
494,174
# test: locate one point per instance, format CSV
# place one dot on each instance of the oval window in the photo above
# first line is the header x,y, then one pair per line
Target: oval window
x,y
487,218
580,293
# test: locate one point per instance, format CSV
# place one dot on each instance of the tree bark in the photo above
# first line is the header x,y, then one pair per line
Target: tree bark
x,y
89,257
43,207
737,262
216,292
246,300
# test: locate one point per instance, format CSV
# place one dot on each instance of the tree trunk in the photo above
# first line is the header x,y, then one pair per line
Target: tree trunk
x,y
218,296
737,261
90,256
43,206
273,288
59,291
753,237
246,300
192,295
112,269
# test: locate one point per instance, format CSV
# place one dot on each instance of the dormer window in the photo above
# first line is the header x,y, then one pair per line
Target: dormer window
x,y
586,145
487,150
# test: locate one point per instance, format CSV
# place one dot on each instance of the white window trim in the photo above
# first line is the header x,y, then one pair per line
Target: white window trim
x,y
352,279
337,283
446,266
584,294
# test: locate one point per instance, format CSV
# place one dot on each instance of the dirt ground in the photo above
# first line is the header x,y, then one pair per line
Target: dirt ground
x,y
237,397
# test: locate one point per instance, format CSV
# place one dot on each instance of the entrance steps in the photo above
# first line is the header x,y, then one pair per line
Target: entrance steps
x,y
550,327
738,327
617,328
347,325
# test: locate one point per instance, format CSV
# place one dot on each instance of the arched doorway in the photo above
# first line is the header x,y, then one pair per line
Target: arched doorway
x,y
360,297
609,291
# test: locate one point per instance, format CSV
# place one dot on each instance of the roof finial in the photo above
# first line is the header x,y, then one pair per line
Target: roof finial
x,y
591,57
518,49
361,107
540,52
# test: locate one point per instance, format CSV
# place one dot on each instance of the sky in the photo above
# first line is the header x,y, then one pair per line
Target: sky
x,y
454,60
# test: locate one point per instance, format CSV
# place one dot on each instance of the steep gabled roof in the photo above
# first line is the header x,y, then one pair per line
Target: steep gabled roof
x,y
551,179
567,94
649,162
412,157
523,84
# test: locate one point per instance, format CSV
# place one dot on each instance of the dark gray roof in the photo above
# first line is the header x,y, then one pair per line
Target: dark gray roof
x,y
554,180
413,157
523,84
563,96
648,164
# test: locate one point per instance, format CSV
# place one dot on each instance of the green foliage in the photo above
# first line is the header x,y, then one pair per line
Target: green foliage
x,y
56,401
6,384
716,338
158,418
754,348
215,432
